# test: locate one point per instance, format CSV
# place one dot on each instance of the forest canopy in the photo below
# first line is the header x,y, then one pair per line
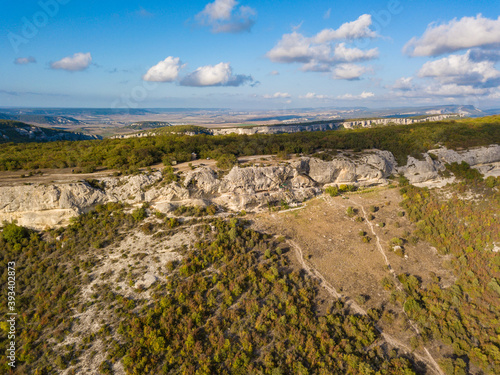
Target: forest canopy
x,y
126,154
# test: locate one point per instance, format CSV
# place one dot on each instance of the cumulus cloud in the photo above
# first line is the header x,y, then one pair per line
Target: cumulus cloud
x,y
350,72
79,61
215,75
468,32
295,47
315,66
312,95
363,95
463,70
328,48
406,88
225,16
278,95
454,90
344,54
165,71
25,60
350,30
404,84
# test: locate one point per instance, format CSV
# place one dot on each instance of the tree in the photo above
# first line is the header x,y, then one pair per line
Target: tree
x,y
14,234
226,161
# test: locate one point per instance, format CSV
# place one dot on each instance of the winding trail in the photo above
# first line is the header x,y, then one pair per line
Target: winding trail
x,y
398,284
314,273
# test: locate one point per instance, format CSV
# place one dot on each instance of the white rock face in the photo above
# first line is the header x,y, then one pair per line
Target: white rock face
x,y
252,188
417,171
369,168
484,159
473,157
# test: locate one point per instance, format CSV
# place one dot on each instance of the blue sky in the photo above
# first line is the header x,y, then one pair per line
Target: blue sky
x,y
249,54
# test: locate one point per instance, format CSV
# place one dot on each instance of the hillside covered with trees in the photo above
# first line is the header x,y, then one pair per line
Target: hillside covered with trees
x,y
132,153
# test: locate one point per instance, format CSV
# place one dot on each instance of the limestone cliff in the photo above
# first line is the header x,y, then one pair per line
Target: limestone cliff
x,y
249,188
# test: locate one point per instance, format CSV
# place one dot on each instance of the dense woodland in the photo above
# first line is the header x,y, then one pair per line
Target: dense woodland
x,y
461,221
132,153
232,305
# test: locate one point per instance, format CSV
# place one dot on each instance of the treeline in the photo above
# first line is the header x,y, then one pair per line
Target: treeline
x,y
132,153
465,314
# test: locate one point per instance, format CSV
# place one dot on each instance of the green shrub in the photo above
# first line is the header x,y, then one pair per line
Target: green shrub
x,y
14,234
333,191
351,211
226,161
396,241
464,171
139,214
346,188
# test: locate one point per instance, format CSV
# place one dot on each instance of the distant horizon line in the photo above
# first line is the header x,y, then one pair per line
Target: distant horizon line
x,y
253,109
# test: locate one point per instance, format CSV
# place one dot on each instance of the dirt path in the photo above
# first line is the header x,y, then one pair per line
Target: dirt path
x,y
313,272
398,284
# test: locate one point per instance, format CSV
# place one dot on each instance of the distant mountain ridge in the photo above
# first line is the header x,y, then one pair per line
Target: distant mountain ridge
x,y
42,119
19,132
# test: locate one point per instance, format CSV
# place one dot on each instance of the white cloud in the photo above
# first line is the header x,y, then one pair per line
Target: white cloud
x,y
274,73
462,70
404,84
278,95
327,14
225,16
79,61
215,75
363,95
344,54
314,66
468,32
319,53
25,60
350,30
312,95
165,71
295,47
349,72
219,9
454,90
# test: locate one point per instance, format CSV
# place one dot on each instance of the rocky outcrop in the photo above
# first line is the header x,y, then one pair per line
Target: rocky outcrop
x,y
484,159
43,205
276,129
398,121
249,188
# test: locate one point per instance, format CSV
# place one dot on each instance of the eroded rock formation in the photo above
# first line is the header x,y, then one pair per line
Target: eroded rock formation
x,y
249,188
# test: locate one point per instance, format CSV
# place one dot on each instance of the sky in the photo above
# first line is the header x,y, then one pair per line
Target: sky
x,y
249,54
